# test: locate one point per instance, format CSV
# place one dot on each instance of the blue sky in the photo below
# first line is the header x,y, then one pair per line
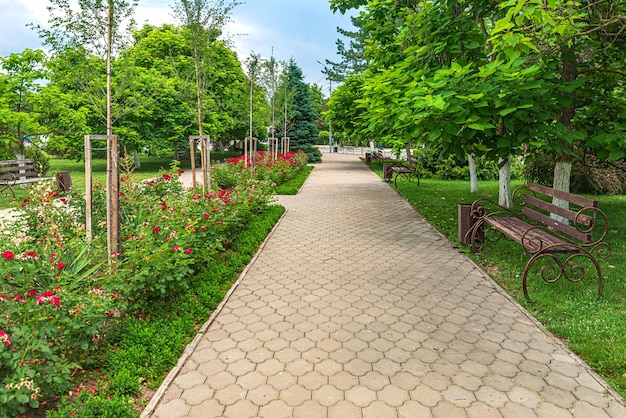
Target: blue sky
x,y
305,30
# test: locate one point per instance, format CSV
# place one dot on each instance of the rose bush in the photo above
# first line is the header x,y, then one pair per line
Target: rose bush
x,y
262,167
46,336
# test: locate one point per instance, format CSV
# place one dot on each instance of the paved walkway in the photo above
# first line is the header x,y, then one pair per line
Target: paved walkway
x,y
356,307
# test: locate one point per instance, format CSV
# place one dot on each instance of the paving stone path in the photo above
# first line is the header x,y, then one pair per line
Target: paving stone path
x,y
356,307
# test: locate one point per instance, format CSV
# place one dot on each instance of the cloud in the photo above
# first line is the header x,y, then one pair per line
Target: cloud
x,y
304,30
15,35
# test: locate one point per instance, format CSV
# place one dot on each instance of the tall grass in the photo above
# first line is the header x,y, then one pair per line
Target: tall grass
x,y
594,328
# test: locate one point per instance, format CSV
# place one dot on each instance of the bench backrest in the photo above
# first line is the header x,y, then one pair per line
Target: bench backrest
x,y
412,162
540,210
10,169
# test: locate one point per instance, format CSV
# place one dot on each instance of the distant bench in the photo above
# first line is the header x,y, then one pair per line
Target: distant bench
x,y
16,172
409,170
547,232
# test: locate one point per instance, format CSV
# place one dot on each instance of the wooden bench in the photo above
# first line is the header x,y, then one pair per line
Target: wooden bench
x,y
555,236
17,172
408,170
378,155
348,146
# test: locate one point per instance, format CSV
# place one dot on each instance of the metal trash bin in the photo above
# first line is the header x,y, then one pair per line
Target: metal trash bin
x,y
64,181
466,222
387,172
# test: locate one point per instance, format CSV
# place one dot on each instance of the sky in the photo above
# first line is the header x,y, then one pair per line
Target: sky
x,y
305,30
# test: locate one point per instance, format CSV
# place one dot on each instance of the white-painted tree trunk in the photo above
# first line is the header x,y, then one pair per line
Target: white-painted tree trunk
x,y
504,196
473,175
562,175
137,161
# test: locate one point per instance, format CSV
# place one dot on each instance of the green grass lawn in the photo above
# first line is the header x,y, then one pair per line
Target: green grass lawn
x,y
595,328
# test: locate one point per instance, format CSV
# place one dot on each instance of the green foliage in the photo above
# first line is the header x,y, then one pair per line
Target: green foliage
x,y
263,168
455,168
51,333
170,232
87,405
302,128
314,155
19,77
62,307
292,186
498,81
589,174
139,354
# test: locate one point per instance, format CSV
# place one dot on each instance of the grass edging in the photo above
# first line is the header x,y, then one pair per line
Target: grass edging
x,y
156,399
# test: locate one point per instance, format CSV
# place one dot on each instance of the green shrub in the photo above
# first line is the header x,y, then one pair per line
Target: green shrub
x,y
589,175
314,155
454,168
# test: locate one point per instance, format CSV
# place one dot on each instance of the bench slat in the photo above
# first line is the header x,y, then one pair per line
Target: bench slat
x,y
26,168
17,162
555,224
557,210
581,201
516,229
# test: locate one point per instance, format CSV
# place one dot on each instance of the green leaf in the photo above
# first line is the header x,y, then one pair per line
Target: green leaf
x,y
476,126
507,111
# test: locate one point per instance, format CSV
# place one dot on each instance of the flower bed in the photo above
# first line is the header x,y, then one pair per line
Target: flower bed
x,y
63,300
262,167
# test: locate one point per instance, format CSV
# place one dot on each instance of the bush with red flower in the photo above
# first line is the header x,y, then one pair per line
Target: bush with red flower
x,y
262,167
45,336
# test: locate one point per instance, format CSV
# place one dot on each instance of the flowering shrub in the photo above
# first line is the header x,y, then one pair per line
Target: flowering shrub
x,y
265,168
45,336
168,238
47,220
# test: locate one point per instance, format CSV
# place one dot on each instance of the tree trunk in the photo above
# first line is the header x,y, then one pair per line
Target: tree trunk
x,y
562,174
205,180
137,161
504,196
473,175
563,166
113,168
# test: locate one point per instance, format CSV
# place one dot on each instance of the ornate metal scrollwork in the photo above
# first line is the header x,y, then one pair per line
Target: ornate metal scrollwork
x,y
555,268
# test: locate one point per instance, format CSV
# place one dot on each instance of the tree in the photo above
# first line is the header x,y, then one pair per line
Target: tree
x,y
20,80
253,63
304,130
502,78
353,58
98,29
204,20
580,44
345,111
95,28
271,76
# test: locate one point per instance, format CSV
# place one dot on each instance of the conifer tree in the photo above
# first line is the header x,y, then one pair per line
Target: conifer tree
x,y
303,132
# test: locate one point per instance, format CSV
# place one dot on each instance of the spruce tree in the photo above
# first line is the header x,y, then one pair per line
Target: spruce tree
x,y
302,131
